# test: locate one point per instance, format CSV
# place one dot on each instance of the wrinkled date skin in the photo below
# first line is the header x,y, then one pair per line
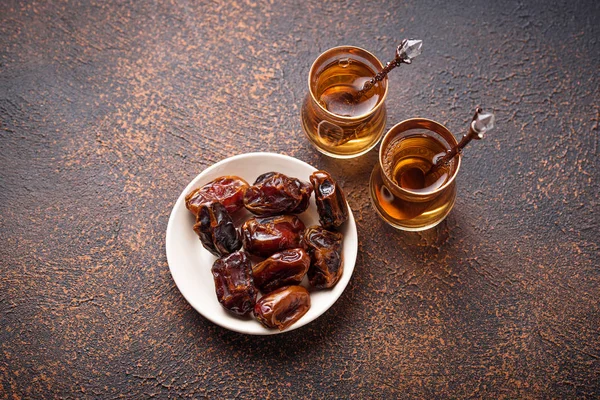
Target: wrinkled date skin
x,y
274,193
263,236
233,283
306,190
227,190
325,250
283,307
281,269
331,202
216,229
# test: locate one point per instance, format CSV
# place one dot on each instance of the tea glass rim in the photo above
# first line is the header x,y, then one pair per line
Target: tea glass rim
x,y
418,123
342,117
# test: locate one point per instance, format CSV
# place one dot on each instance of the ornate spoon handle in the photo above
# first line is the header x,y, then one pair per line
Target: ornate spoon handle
x,y
482,123
405,53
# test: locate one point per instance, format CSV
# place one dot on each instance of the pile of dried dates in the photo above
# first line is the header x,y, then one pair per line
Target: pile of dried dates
x,y
285,248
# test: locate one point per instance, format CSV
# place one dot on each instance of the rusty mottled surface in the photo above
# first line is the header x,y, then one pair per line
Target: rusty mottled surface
x,y
107,111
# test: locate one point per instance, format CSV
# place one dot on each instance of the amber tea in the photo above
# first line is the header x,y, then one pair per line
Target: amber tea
x,y
337,119
338,86
404,192
408,161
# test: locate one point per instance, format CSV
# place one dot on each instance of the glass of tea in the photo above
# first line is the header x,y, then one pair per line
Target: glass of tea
x,y
404,190
338,122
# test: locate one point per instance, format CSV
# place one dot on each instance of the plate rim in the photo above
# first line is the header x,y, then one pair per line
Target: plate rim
x,y
171,227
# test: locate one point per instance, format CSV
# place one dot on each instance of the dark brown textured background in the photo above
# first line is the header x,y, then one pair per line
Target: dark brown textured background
x,y
107,111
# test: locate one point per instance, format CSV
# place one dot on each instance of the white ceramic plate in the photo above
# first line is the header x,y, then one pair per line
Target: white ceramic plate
x,y
190,263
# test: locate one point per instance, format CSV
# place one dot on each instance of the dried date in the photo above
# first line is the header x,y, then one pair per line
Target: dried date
x,y
325,250
274,193
263,236
281,269
227,190
330,200
234,284
216,230
306,190
283,307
